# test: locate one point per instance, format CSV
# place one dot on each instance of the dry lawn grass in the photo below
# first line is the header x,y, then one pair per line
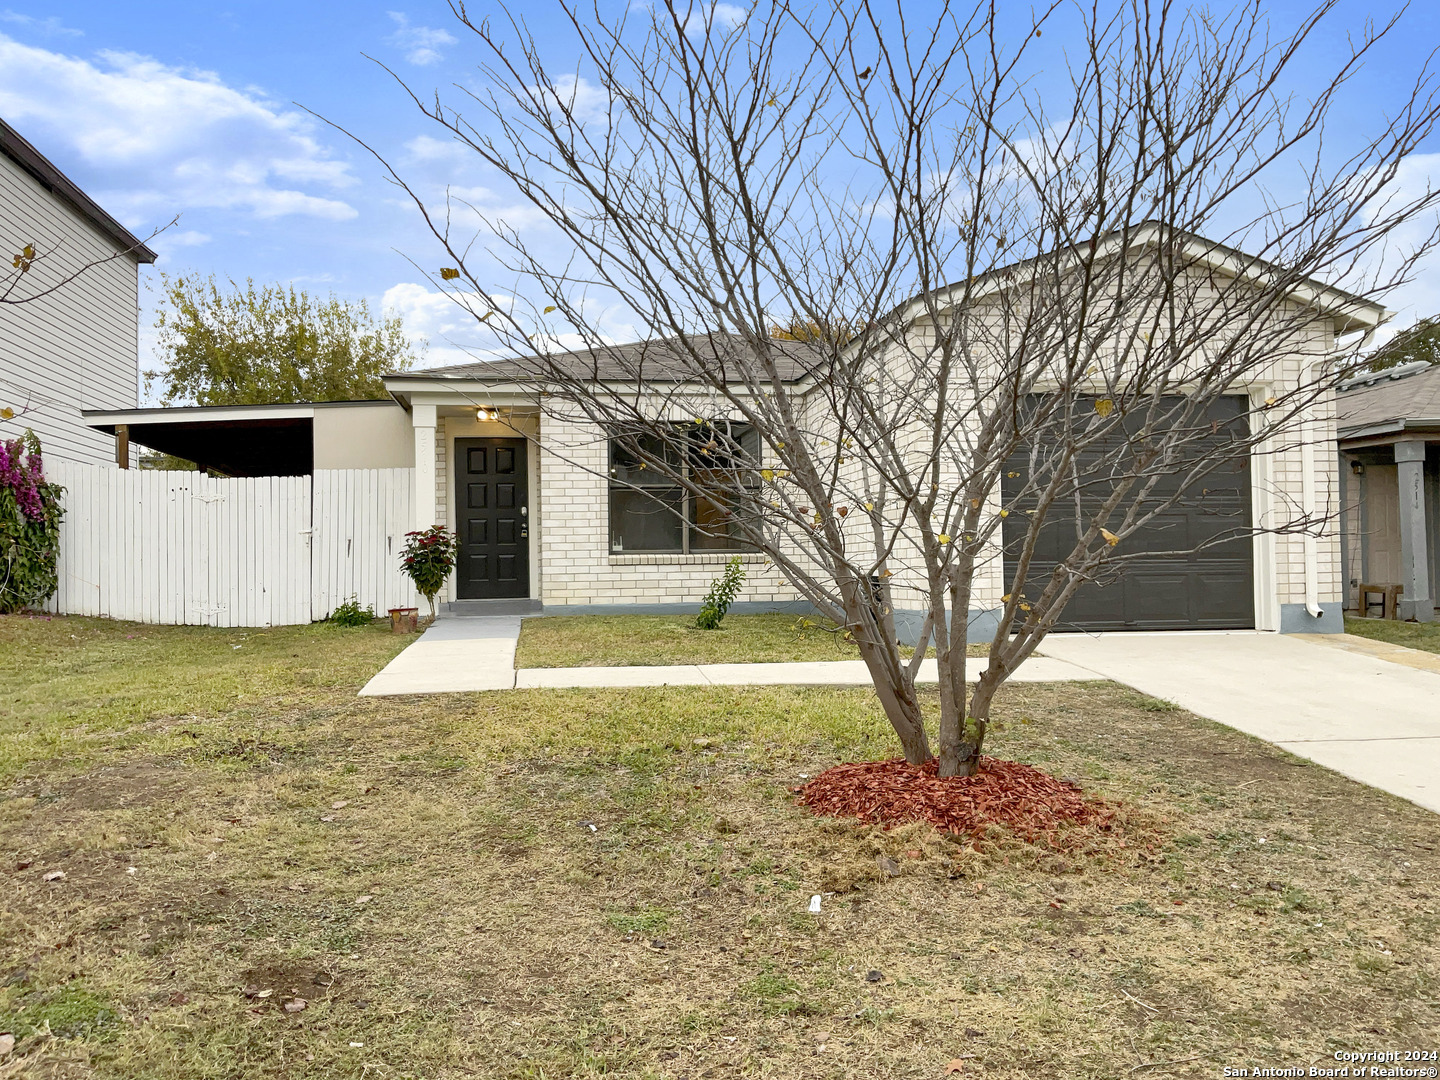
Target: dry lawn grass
x,y
628,640
1412,635
577,884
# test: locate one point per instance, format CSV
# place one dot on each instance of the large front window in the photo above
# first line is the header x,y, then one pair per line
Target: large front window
x,y
650,512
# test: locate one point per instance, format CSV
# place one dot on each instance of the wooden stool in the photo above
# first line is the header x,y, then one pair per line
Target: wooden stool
x,y
1389,599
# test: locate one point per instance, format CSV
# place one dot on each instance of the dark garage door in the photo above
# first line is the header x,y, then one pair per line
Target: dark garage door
x,y
1211,589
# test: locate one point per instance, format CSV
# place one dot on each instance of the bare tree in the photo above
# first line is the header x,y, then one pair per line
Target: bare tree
x,y
17,286
1016,349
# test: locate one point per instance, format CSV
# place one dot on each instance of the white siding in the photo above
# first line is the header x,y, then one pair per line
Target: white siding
x,y
76,348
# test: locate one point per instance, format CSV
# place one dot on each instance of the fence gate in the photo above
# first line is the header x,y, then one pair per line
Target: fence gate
x,y
184,548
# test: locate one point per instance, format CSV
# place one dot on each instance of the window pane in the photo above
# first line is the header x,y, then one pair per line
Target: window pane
x,y
645,520
628,467
723,445
713,527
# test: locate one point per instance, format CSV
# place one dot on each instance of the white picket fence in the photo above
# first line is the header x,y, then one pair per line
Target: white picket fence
x,y
186,549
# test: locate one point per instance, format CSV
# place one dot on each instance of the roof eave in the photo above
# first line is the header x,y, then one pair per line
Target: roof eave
x,y
43,170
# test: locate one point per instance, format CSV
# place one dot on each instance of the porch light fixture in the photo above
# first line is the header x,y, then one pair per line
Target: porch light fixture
x,y
485,412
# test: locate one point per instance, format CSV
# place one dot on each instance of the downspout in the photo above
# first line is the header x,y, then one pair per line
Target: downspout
x,y
1307,490
1307,506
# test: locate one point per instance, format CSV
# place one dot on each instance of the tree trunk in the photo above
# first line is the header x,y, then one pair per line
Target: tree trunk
x,y
966,761
897,698
953,726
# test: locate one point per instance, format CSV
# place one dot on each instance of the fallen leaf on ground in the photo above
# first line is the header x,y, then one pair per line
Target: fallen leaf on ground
x,y
954,1065
339,804
363,899
54,875
264,993
7,1043
297,1005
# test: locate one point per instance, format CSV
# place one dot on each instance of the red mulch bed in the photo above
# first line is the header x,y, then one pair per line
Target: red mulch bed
x,y
1029,803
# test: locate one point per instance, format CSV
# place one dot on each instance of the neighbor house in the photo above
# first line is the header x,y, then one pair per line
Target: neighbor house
x,y
74,346
549,519
1389,441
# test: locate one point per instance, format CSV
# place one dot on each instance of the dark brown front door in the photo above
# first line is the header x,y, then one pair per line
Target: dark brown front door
x,y
493,501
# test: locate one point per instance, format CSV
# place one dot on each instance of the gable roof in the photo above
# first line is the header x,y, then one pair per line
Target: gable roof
x,y
658,359
1390,400
1350,312
620,362
43,170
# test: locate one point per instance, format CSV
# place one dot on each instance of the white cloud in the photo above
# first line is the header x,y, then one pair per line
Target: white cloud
x,y
456,335
1417,178
169,139
51,26
425,148
722,17
186,238
422,43
578,96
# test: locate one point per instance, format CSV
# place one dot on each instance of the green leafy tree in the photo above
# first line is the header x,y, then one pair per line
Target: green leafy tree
x,y
252,345
1420,342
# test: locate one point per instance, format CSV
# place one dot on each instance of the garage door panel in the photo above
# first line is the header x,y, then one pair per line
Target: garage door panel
x,y
1226,599
1207,585
1156,596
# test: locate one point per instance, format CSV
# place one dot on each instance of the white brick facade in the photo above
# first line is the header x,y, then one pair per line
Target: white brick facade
x,y
573,567
577,566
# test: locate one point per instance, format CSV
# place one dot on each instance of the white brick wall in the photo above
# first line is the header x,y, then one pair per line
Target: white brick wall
x,y
577,566
570,516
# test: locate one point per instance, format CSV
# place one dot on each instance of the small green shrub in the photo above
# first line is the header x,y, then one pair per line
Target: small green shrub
x,y
721,595
350,613
428,558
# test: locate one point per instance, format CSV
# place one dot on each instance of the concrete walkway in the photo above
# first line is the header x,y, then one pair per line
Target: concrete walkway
x,y
816,673
1333,702
454,654
478,653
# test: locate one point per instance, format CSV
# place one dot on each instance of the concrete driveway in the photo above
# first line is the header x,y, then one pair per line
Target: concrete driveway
x,y
1372,719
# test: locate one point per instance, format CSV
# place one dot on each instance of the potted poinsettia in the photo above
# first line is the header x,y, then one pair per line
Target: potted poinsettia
x,y
428,558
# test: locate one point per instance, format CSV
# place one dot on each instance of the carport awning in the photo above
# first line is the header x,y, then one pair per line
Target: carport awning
x,y
238,440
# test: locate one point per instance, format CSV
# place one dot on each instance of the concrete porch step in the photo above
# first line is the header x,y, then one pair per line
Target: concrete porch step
x,y
491,607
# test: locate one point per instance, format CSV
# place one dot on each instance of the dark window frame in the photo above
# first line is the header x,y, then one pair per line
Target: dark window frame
x,y
671,498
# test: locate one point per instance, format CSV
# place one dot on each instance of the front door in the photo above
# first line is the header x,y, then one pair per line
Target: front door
x,y
493,515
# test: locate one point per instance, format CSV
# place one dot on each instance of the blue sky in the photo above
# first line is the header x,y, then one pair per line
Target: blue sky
x,y
159,109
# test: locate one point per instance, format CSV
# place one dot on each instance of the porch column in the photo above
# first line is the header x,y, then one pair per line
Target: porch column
x,y
1415,600
423,419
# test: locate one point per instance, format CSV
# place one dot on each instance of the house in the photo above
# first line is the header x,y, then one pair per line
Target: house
x,y
549,517
1388,429
73,348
